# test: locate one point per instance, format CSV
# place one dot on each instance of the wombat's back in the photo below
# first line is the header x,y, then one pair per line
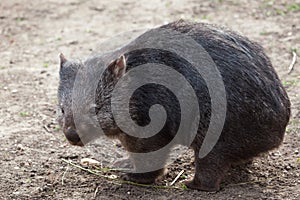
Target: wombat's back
x,y
258,108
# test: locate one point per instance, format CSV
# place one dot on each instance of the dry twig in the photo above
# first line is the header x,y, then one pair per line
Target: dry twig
x,y
291,67
47,129
177,177
63,177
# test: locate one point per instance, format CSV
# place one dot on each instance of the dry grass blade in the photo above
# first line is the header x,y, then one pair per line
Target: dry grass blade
x,y
291,67
122,181
86,170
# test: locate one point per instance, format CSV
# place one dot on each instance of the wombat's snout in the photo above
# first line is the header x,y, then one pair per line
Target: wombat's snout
x,y
72,136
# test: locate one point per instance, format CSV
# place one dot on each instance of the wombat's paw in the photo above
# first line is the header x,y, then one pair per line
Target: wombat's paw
x,y
137,178
123,164
199,186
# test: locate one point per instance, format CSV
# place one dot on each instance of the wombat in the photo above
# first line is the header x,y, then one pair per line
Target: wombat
x,y
258,108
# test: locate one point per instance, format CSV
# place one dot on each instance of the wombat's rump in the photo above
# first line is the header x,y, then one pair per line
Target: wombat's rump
x,y
258,108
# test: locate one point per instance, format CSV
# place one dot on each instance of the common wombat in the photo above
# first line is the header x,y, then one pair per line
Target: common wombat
x,y
258,108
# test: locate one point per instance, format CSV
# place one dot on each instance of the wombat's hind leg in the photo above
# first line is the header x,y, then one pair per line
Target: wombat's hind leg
x,y
209,172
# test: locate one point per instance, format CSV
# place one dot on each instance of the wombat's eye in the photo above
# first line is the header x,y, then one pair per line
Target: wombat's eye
x,y
62,111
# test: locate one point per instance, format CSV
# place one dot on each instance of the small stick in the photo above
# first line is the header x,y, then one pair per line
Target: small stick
x,y
177,177
96,191
291,67
62,179
46,128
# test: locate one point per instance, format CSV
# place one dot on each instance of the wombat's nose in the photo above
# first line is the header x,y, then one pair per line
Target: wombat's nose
x,y
73,137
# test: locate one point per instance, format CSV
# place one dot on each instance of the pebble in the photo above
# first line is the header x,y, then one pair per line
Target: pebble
x,y
20,147
288,167
16,193
89,162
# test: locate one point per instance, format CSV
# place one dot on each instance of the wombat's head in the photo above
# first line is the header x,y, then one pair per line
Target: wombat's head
x,y
67,75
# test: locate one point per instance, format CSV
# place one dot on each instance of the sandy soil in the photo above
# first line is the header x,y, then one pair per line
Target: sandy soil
x,y
32,35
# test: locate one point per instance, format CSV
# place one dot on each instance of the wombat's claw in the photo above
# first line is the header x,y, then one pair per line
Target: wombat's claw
x,y
127,177
137,178
191,184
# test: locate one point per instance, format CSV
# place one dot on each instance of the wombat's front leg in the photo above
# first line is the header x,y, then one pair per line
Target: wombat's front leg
x,y
124,163
148,164
144,178
148,157
209,172
147,167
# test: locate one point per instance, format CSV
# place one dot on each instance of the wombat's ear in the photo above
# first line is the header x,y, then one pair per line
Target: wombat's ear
x,y
118,67
62,59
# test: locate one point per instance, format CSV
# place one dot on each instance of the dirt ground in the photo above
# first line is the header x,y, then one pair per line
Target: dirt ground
x,y
32,35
